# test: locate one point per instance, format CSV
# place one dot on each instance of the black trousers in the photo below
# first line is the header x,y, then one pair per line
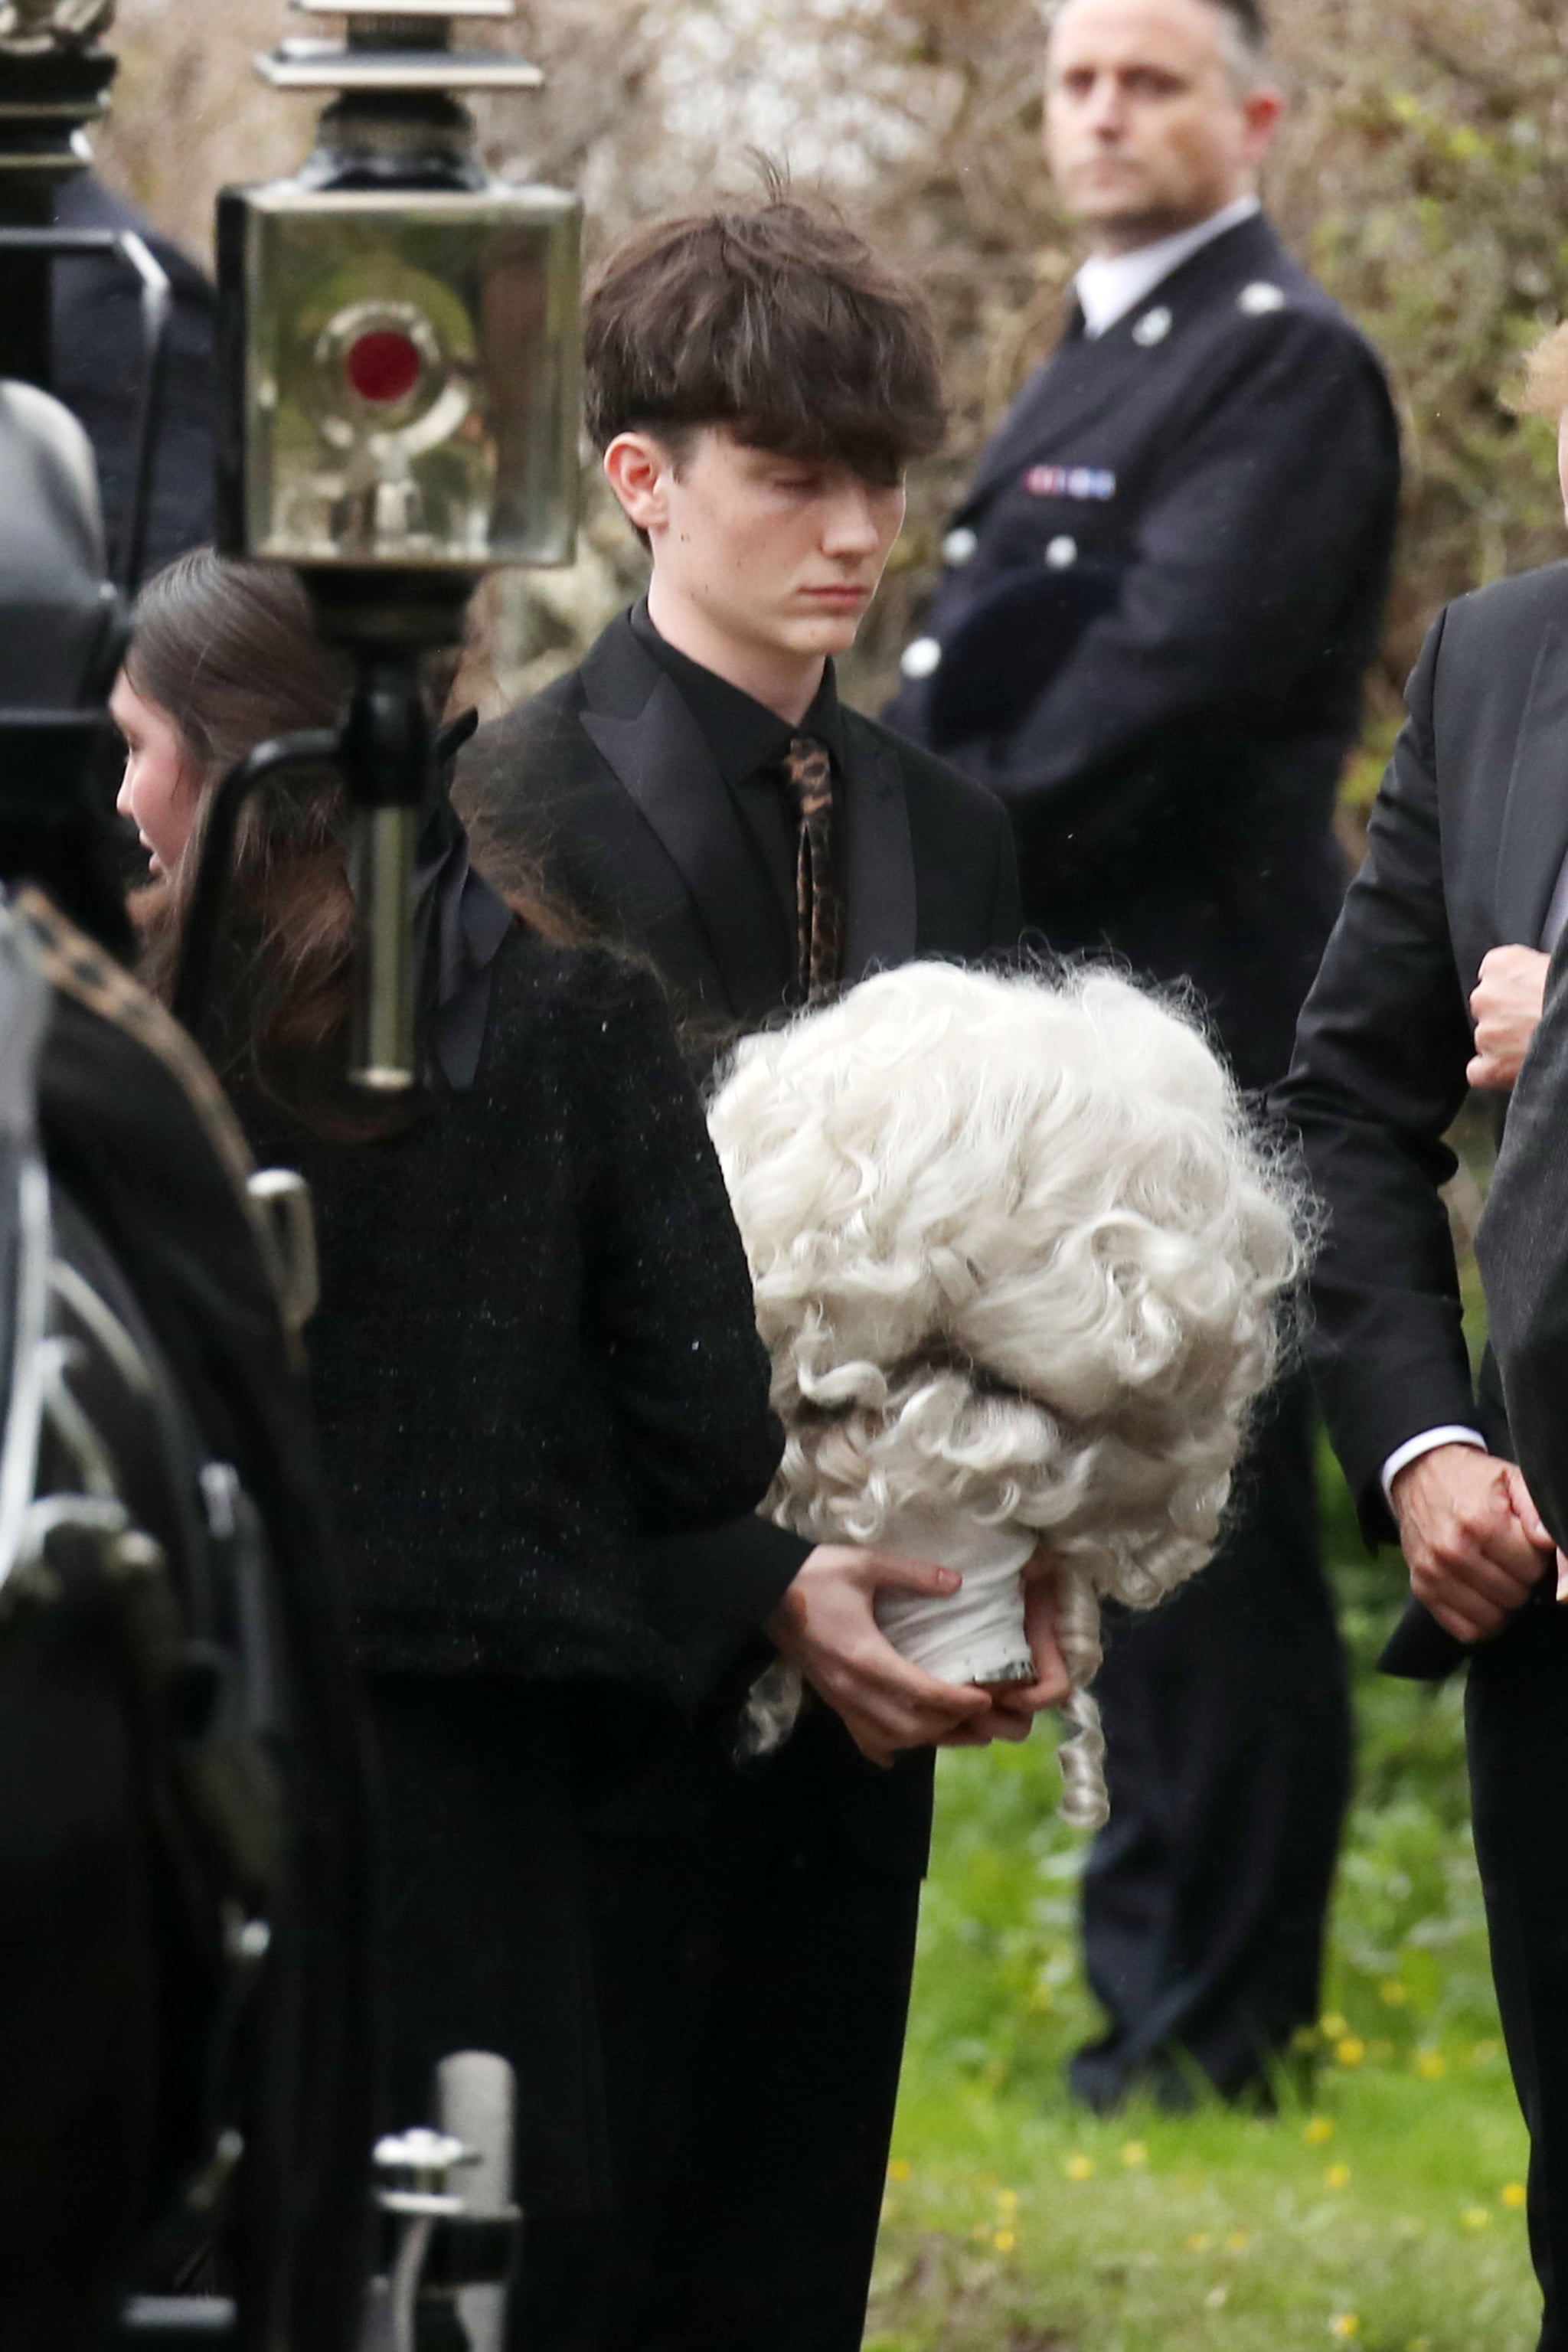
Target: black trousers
x,y
1228,1731
754,1977
1517,1723
701,1979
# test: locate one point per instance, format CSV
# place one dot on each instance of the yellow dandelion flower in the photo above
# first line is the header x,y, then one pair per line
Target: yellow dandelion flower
x,y
1393,1994
1349,2050
1476,2217
1239,2241
1344,2327
1431,2066
1317,2130
1005,2241
900,2169
1007,2198
1199,2242
1338,2176
1332,2026
1079,2168
1514,2195
1134,2154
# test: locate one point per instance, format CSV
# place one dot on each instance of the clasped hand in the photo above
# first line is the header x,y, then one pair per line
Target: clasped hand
x,y
1505,1006
827,1626
1475,1543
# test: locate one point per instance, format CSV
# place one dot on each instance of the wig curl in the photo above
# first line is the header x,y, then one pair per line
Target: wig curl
x,y
1019,1255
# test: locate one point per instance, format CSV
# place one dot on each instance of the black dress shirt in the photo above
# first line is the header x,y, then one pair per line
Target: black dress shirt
x,y
748,742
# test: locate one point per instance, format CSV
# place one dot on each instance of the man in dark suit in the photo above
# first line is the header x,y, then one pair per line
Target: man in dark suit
x,y
1159,600
757,384
1432,980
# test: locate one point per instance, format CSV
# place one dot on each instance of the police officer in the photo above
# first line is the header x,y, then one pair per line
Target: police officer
x,y
1158,604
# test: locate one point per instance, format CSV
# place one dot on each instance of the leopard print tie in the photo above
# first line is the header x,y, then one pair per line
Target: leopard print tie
x,y
819,904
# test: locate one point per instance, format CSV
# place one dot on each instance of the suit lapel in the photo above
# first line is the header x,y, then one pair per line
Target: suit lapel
x,y
1534,839
879,858
659,754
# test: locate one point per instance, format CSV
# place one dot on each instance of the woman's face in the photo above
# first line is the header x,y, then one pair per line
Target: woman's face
x,y
159,791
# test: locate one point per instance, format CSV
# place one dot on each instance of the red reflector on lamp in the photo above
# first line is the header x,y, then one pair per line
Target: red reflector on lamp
x,y
382,366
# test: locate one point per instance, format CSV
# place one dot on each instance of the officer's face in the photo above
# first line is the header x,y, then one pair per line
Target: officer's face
x,y
1151,123
776,554
158,792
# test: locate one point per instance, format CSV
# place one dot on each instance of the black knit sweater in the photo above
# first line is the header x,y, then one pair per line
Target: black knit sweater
x,y
535,1343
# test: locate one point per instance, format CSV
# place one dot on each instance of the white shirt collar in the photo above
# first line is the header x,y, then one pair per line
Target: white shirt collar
x,y
1111,285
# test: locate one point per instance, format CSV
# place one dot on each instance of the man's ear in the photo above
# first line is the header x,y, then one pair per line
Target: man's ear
x,y
638,469
1265,111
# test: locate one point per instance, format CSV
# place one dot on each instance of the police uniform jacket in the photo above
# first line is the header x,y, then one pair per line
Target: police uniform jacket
x,y
1159,601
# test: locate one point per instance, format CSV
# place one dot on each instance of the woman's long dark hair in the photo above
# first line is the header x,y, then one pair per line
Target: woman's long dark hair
x,y
229,653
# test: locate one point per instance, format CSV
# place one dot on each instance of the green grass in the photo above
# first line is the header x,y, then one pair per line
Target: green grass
x,y
1380,2208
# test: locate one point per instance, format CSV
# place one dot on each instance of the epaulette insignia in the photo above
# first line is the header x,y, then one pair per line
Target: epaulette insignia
x,y
1257,300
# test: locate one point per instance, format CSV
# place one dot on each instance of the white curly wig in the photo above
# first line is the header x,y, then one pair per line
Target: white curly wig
x,y
1019,1256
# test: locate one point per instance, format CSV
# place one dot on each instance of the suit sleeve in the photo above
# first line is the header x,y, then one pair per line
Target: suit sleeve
x,y
1377,1078
1006,922
687,1376
1260,514
1522,1248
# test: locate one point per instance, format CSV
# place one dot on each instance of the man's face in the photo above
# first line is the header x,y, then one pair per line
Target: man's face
x,y
1148,127
777,555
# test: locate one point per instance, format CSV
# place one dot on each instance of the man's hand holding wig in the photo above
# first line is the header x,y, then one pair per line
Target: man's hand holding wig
x,y
1020,1259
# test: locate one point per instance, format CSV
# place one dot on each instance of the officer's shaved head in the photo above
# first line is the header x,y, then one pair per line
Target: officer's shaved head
x,y
1158,112
1246,29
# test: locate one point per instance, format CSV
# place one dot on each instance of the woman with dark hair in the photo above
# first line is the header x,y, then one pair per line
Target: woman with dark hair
x,y
535,1348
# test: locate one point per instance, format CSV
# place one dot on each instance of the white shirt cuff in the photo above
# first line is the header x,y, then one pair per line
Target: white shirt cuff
x,y
1427,1443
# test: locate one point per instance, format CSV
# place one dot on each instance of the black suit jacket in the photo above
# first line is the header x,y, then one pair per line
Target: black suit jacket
x,y
1162,593
1467,838
608,781
1522,1248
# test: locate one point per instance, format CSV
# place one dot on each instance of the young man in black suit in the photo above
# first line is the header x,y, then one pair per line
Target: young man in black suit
x,y
757,384
1432,983
1159,597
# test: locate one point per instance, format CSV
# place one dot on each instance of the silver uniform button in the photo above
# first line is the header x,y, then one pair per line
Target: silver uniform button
x,y
1062,553
1153,328
959,545
1260,300
921,659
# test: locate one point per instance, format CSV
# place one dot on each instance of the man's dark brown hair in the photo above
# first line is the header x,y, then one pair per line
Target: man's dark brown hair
x,y
774,321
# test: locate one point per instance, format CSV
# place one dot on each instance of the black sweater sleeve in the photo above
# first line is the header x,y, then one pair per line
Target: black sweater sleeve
x,y
687,1376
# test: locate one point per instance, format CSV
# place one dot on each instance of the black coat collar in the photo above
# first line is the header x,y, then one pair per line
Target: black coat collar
x,y
1534,837
1083,378
637,721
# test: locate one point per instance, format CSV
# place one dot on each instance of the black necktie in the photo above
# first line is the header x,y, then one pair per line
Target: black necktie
x,y
819,905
